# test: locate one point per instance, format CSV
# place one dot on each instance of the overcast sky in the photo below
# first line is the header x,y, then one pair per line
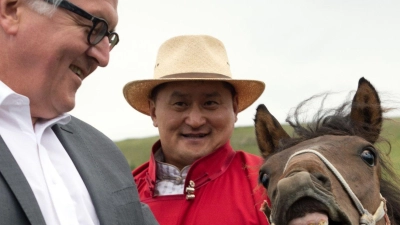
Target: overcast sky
x,y
298,48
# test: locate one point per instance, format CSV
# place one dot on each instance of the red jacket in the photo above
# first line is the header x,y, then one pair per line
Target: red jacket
x,y
226,190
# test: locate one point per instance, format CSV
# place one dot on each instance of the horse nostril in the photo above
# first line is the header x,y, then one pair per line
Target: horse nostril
x,y
322,179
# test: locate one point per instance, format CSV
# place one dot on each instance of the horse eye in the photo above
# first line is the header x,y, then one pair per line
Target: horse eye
x,y
368,156
263,178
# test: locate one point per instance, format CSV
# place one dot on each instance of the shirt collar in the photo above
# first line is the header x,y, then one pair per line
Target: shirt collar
x,y
8,97
165,171
201,171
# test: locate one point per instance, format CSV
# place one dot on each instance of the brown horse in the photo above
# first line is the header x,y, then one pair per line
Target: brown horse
x,y
330,171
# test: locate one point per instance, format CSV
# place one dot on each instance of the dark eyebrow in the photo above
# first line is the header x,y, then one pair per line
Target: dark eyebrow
x,y
178,94
207,95
213,94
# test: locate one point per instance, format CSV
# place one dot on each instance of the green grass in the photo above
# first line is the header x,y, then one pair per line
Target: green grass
x,y
391,131
137,151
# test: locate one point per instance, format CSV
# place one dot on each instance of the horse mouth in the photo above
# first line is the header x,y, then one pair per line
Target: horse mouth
x,y
299,196
308,211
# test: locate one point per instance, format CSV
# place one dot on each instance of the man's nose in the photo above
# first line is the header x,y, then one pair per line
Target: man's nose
x,y
195,117
100,52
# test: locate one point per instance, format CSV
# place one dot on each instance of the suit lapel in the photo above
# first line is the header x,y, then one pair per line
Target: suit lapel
x,y
19,185
82,156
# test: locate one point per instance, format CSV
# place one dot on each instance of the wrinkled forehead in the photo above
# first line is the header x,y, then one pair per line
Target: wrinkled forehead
x,y
106,9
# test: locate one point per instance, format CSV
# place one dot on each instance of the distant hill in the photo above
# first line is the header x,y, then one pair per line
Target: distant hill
x,y
137,151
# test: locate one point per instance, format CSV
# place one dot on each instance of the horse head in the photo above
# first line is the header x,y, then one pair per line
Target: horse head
x,y
330,171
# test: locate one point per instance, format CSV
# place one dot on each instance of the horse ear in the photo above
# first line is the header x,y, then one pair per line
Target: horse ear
x,y
268,131
366,111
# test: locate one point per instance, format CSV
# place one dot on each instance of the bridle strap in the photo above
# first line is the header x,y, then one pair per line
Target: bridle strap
x,y
366,217
336,173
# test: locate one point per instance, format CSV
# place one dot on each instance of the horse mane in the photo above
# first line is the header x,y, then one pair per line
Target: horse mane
x,y
336,121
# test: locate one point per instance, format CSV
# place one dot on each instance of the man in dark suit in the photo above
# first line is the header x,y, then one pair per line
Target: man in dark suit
x,y
54,168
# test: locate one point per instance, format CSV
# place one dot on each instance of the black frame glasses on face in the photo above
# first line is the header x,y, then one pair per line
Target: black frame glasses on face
x,y
99,28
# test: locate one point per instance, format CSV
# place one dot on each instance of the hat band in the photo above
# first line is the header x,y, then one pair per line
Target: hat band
x,y
196,76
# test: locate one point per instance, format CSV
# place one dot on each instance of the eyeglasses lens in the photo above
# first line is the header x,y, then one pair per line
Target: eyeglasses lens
x,y
98,32
113,39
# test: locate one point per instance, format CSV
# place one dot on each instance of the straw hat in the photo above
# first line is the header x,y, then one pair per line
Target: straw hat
x,y
191,58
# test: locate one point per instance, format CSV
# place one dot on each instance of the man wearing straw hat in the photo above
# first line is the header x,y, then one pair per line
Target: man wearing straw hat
x,y
193,175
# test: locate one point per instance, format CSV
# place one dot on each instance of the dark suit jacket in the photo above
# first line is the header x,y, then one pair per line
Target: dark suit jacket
x,y
104,171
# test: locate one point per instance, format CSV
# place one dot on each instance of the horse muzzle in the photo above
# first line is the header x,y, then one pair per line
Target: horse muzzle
x,y
300,194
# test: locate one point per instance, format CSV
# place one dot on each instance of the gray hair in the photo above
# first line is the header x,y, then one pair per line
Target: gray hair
x,y
43,7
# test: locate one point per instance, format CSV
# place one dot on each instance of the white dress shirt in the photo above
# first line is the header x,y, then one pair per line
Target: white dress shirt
x,y
59,190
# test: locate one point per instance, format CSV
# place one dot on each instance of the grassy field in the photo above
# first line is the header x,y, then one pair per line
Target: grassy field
x,y
137,151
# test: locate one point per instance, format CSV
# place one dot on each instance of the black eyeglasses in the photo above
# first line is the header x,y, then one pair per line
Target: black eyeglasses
x,y
99,28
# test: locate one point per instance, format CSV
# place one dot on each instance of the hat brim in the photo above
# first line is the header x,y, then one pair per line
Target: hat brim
x,y
137,93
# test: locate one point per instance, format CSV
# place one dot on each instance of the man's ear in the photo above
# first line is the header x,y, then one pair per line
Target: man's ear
x,y
152,107
9,15
235,104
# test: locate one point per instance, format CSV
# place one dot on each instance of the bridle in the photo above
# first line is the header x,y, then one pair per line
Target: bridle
x,y
366,217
